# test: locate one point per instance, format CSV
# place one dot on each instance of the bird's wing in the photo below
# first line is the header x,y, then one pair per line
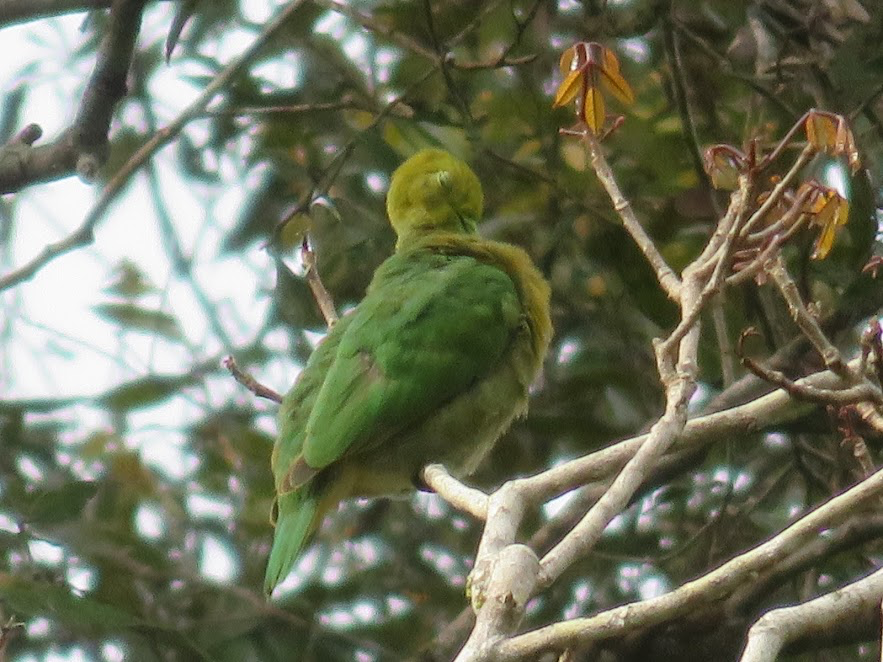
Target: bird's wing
x,y
298,402
429,328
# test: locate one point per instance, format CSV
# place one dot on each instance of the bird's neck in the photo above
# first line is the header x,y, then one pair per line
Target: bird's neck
x,y
437,232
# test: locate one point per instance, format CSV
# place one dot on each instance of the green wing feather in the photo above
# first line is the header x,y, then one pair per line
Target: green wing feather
x,y
429,327
299,401
297,512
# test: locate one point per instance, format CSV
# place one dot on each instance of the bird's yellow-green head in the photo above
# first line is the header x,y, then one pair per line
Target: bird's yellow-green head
x,y
431,192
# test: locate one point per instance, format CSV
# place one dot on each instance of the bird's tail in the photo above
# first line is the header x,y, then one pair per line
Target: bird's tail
x,y
299,514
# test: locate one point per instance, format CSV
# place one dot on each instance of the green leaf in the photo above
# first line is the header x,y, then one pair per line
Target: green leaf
x,y
27,598
52,506
143,392
135,318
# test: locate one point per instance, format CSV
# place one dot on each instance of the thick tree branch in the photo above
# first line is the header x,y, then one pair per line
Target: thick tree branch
x,y
467,499
511,584
83,146
507,505
692,595
863,526
18,11
83,234
777,628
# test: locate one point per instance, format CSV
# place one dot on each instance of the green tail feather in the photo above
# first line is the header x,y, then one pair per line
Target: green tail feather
x,y
298,512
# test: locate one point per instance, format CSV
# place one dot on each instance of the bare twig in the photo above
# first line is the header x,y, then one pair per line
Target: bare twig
x,y
667,278
347,103
182,264
520,28
807,323
725,347
323,298
715,259
728,69
846,396
863,526
439,57
779,190
445,69
250,382
781,232
332,170
679,84
369,22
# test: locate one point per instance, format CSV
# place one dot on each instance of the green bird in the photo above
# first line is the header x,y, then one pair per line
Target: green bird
x,y
431,367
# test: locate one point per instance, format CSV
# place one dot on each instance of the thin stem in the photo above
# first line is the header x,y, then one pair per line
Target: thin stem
x,y
669,281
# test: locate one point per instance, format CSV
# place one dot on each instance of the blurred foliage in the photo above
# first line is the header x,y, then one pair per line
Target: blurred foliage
x,y
106,553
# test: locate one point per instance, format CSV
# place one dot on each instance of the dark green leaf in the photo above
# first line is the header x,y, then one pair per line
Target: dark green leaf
x,y
132,317
27,598
144,392
51,506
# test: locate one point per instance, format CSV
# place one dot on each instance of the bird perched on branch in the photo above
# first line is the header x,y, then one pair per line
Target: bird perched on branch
x,y
431,367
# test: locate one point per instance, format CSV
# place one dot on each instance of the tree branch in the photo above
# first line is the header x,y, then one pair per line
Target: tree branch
x,y
83,146
692,595
511,584
467,499
667,278
83,234
250,382
677,364
864,526
807,323
320,293
19,11
778,627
